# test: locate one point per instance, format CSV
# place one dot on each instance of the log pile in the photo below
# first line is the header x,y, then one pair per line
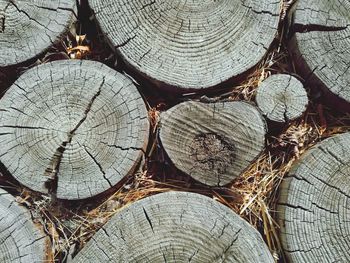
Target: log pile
x,y
83,137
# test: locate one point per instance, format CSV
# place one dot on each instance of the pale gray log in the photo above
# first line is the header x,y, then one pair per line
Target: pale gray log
x,y
78,122
176,227
213,143
21,241
326,47
189,44
281,98
27,28
314,204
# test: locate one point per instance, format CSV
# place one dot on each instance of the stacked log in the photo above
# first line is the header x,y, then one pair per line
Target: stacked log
x,y
176,227
188,44
28,28
22,241
213,143
72,128
282,98
314,207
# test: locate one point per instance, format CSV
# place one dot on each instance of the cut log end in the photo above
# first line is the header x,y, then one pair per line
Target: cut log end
x,y
321,46
72,128
313,209
189,45
213,143
21,240
27,28
176,227
282,98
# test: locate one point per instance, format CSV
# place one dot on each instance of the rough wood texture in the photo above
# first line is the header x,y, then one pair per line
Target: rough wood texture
x,y
281,98
176,227
213,143
314,211
72,128
27,28
20,240
189,44
323,43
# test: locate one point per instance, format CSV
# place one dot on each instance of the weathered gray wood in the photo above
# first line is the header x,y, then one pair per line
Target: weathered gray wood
x,y
281,98
77,124
213,143
324,43
21,241
189,44
27,28
314,208
176,227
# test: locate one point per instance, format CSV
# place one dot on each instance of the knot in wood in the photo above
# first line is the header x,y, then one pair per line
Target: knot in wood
x,y
212,153
213,143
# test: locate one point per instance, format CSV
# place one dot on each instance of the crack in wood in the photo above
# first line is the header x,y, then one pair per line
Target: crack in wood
x,y
99,166
300,28
2,24
148,219
52,171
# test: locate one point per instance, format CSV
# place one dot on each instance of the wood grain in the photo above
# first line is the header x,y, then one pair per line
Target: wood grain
x,y
213,143
314,211
27,28
176,227
72,128
323,43
189,44
20,240
281,98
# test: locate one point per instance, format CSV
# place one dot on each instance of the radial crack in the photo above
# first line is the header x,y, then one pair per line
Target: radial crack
x,y
99,166
2,24
148,219
52,171
300,28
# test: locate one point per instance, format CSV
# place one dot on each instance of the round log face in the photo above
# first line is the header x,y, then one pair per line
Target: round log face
x,y
314,211
325,44
189,44
78,124
281,98
27,28
176,227
20,240
213,143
